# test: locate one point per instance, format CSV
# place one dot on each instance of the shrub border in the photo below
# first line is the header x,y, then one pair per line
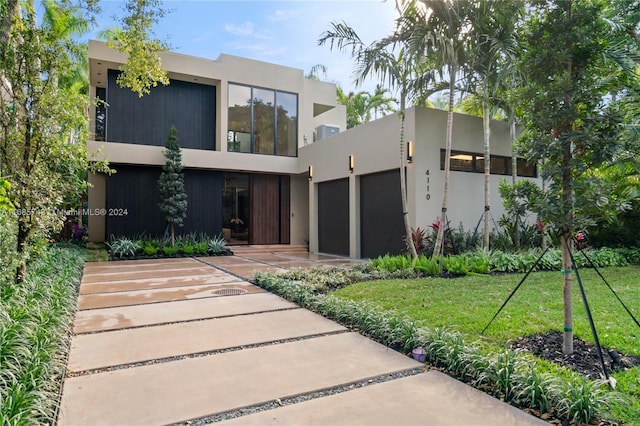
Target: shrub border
x,y
509,375
50,294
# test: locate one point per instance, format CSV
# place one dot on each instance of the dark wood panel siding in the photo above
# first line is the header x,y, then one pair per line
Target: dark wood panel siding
x,y
190,107
135,188
381,223
264,209
333,217
204,189
285,210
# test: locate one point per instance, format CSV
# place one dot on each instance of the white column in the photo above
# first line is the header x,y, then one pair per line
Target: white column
x,y
97,199
313,218
354,216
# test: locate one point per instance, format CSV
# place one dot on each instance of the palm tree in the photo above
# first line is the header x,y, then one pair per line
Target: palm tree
x,y
380,102
357,105
436,32
508,83
492,47
380,59
316,72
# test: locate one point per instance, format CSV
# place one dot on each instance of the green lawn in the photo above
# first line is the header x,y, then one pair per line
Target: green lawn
x,y
467,304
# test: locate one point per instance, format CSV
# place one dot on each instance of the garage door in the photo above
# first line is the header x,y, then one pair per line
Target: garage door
x,y
333,217
381,223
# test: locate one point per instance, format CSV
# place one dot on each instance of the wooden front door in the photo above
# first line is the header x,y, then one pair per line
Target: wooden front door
x,y
269,209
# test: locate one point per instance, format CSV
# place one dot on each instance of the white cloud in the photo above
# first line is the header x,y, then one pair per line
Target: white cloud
x,y
306,21
283,15
244,30
282,32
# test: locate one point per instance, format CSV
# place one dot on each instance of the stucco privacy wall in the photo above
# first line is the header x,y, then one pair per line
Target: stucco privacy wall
x,y
375,147
466,190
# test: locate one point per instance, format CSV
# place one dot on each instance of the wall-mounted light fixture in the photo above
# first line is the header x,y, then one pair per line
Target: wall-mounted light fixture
x,y
409,152
351,163
310,175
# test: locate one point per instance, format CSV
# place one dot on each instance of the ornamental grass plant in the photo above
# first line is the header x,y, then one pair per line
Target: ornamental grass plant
x,y
35,327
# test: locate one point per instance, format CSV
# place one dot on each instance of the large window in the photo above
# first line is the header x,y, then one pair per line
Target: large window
x,y
101,113
462,161
239,138
262,121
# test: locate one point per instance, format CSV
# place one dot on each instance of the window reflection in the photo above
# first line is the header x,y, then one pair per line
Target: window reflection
x,y
235,208
286,122
472,162
262,121
101,113
239,136
459,161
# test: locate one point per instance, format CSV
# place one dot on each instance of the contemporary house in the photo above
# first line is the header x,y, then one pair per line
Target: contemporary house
x,y
268,160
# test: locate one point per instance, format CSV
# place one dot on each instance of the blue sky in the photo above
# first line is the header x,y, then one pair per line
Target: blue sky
x,y
282,32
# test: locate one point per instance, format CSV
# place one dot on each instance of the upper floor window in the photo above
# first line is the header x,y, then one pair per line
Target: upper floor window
x,y
462,161
262,121
101,113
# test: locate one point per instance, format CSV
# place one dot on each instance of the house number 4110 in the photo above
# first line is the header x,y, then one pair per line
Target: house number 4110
x,y
428,186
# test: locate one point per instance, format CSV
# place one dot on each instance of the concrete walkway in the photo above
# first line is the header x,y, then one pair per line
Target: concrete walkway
x,y
181,341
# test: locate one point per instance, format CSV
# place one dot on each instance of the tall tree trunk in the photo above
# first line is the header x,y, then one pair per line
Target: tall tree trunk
x,y
514,172
437,249
173,235
567,281
22,248
565,239
567,204
543,241
403,186
7,21
486,127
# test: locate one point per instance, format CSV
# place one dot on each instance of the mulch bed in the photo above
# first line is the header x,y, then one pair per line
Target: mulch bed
x,y
585,358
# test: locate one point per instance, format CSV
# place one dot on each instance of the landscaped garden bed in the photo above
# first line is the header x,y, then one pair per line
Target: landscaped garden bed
x,y
585,358
35,327
404,310
144,247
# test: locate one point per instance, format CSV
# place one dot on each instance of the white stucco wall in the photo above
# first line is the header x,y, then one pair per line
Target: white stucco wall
x,y
299,210
375,147
466,190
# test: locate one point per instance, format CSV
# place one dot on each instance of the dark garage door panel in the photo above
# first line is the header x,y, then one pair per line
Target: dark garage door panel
x,y
381,223
333,217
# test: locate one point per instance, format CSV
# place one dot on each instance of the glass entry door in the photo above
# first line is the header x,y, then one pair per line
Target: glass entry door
x,y
235,208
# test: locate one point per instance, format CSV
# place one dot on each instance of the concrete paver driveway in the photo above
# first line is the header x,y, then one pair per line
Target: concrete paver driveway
x,y
179,340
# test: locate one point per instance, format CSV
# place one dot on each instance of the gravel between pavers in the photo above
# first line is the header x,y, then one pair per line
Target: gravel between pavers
x,y
300,398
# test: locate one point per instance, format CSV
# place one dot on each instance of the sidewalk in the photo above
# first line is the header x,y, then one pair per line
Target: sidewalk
x,y
182,342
